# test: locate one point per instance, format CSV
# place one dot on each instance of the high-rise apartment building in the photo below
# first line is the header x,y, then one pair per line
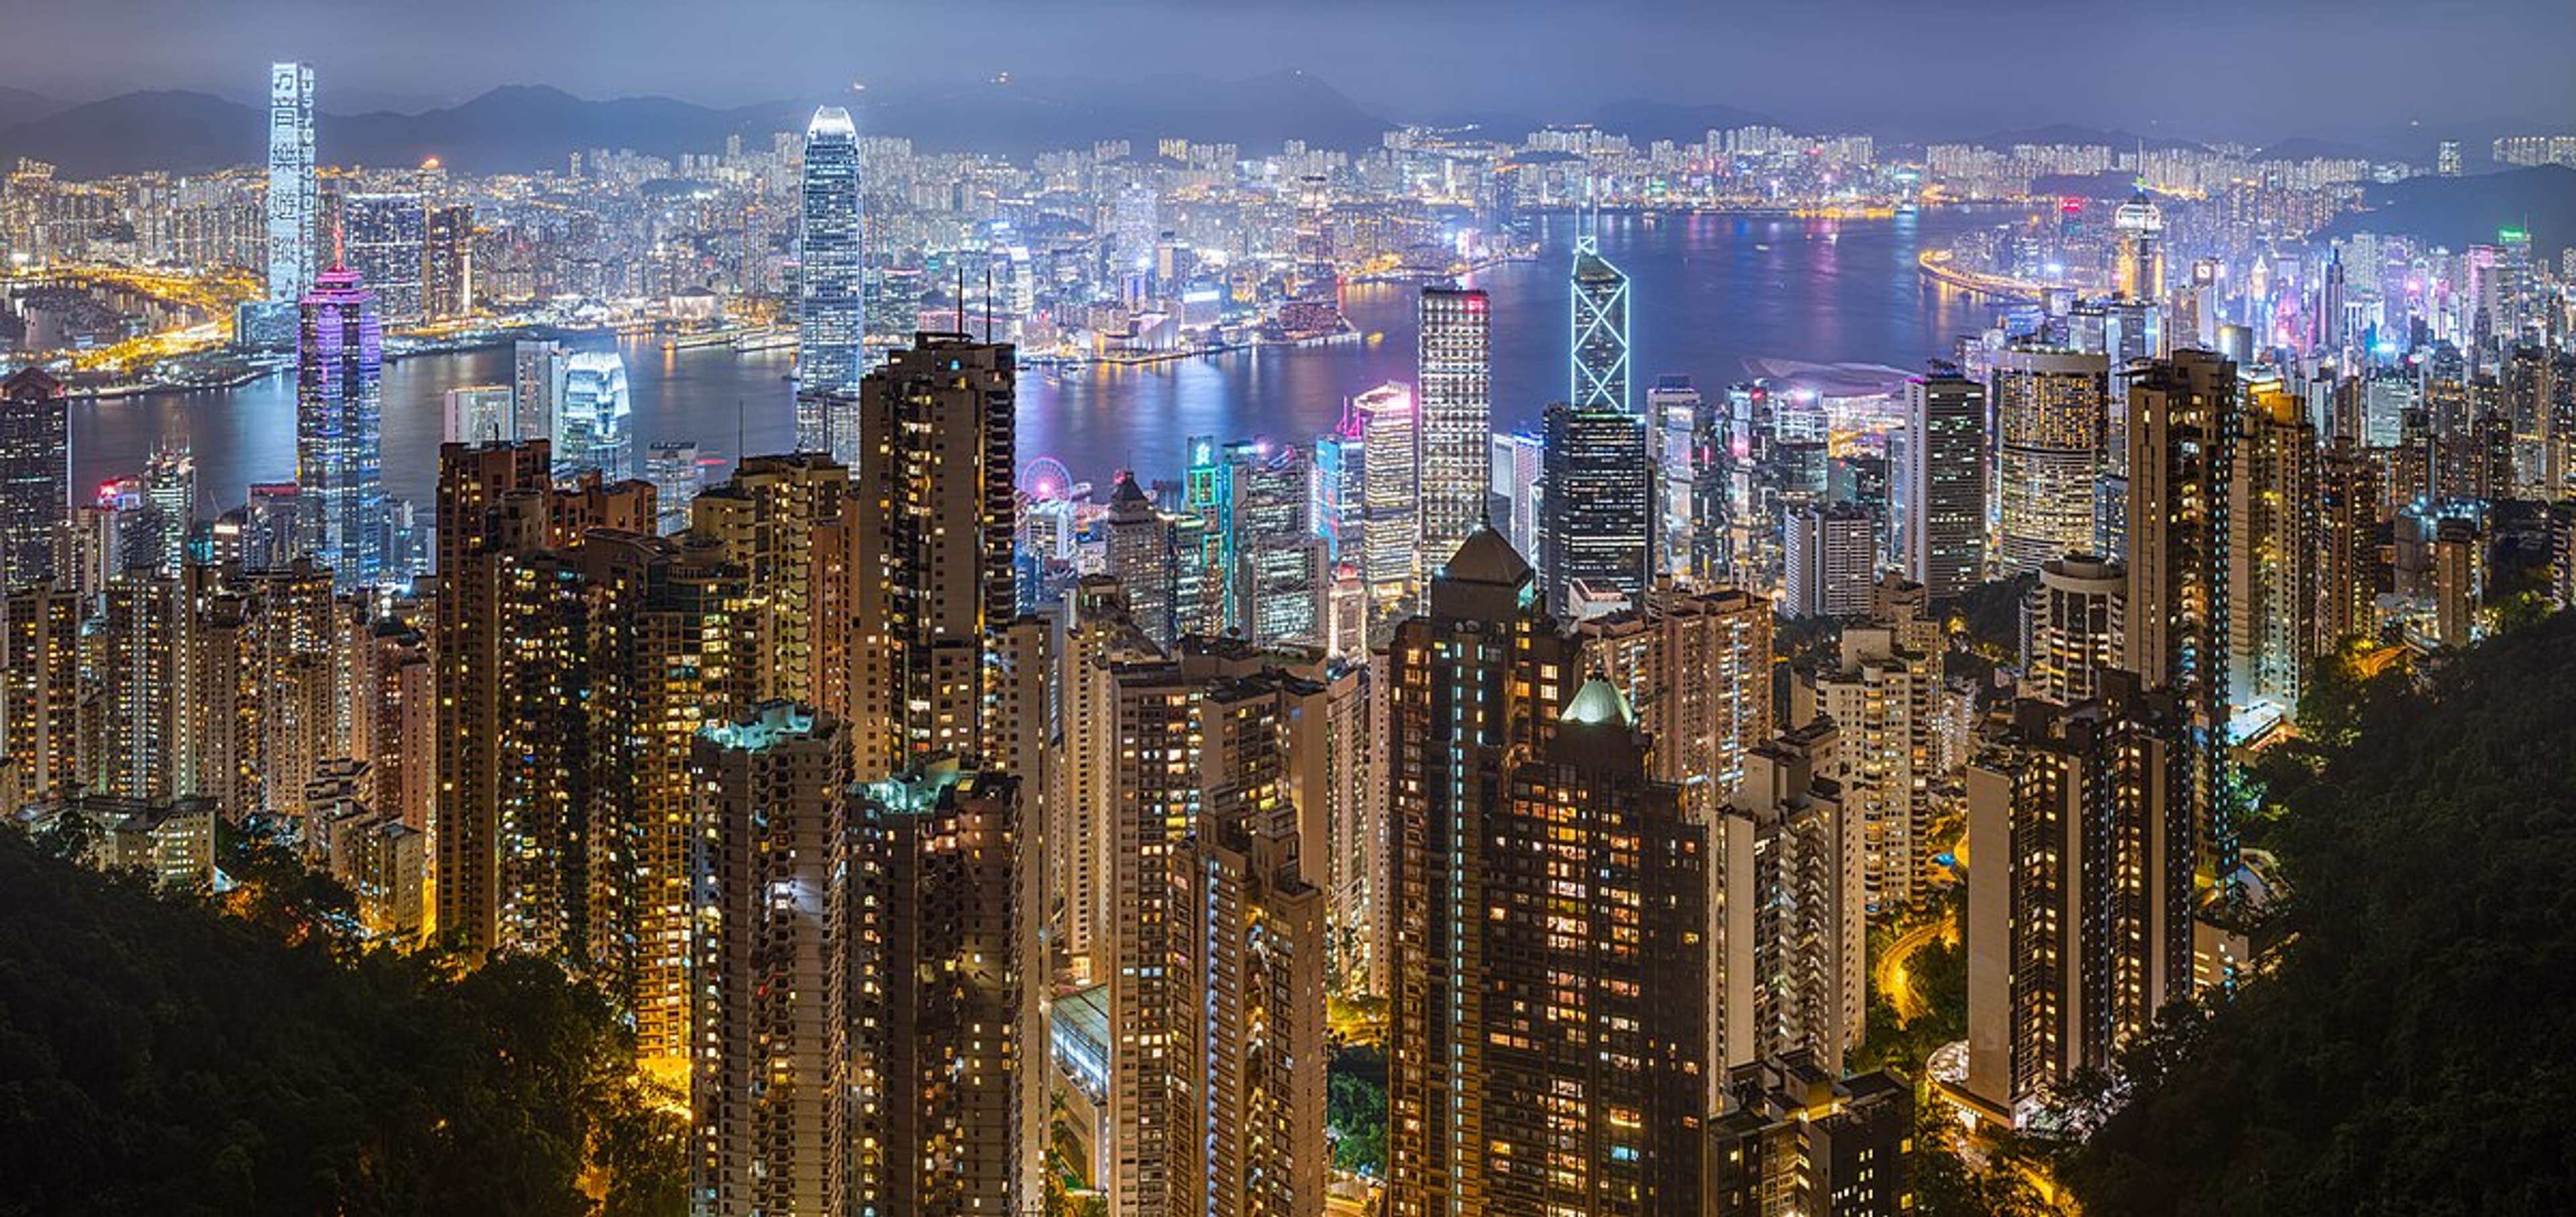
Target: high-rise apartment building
x,y
1789,927
384,238
2079,915
40,700
2271,554
1454,386
766,518
1883,696
2049,412
831,260
768,1092
2182,455
931,516
2349,497
447,262
1475,685
1696,668
339,403
1944,506
1829,556
2074,628
1596,539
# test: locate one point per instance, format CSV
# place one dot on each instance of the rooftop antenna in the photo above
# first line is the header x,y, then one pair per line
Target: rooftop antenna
x,y
988,302
961,299
740,428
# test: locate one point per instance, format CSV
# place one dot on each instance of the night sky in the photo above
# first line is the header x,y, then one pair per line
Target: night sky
x,y
2252,69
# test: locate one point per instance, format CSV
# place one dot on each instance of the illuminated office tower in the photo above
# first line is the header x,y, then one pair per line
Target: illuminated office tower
x,y
672,466
831,259
2079,915
931,513
1388,432
927,981
537,376
1790,939
1278,568
1603,951
2074,629
765,1090
2048,452
1519,487
1159,558
1455,392
170,494
1696,667
126,648
2348,504
766,517
1690,502
35,474
590,418
480,414
1156,796
1595,542
2140,271
1598,375
1944,505
1138,223
2182,455
1883,697
339,400
1828,557
294,201
1099,638
1475,684
2271,554
447,262
383,238
40,700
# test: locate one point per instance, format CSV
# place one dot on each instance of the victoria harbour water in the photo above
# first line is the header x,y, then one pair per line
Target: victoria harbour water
x,y
1708,292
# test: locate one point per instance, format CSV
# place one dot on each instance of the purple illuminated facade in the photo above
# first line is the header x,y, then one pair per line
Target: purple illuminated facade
x,y
339,400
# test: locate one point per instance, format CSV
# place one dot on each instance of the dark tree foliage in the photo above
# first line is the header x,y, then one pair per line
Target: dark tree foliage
x,y
2416,1050
1355,1108
159,1057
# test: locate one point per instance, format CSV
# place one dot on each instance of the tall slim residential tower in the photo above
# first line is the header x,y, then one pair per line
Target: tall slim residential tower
x,y
2048,453
2073,628
2271,554
1456,397
294,209
447,262
831,258
1788,931
931,518
35,474
2079,924
1598,372
384,239
2182,456
2349,490
1595,540
1475,688
339,458
1945,488
1696,668
767,1089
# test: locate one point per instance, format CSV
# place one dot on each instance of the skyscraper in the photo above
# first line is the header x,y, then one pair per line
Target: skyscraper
x,y
1789,930
1828,557
447,262
293,195
384,239
1456,396
35,474
1595,542
831,258
339,458
2182,454
932,516
591,408
1696,668
2271,554
2140,272
2048,452
1475,687
1598,375
767,1091
1882,697
2079,921
2349,492
1945,502
2075,625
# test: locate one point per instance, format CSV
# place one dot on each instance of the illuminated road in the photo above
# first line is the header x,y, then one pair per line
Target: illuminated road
x,y
1891,978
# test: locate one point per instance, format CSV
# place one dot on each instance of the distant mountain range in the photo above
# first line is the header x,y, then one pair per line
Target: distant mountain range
x,y
2462,211
525,127
2074,135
